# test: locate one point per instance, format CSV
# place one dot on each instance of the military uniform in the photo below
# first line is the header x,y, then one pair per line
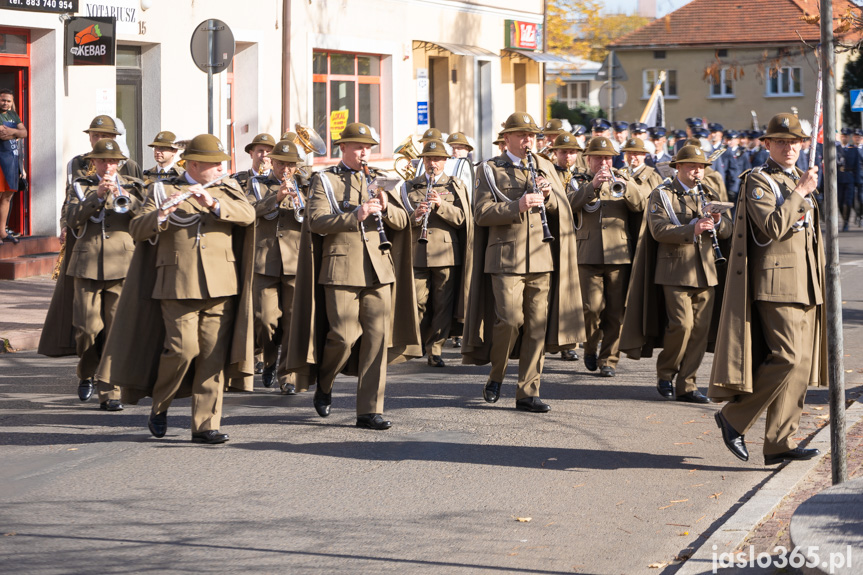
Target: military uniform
x,y
245,177
79,166
277,246
606,231
164,139
849,177
775,341
438,262
196,284
98,262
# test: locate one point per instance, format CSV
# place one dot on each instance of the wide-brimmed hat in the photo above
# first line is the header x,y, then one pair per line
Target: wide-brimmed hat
x,y
784,126
106,149
205,148
554,126
104,125
690,155
459,139
635,146
263,139
566,141
164,140
357,132
601,146
499,140
434,149
520,122
431,134
285,151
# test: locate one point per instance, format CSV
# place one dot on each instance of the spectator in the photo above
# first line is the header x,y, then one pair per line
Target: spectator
x,y
11,129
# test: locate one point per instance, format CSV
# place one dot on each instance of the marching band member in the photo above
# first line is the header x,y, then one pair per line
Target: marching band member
x,y
165,153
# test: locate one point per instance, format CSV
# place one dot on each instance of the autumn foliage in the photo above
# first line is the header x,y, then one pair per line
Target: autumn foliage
x,y
580,28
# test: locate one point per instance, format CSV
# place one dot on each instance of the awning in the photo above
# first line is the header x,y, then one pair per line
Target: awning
x,y
457,49
542,57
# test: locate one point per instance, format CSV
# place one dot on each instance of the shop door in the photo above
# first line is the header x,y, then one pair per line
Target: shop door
x,y
14,75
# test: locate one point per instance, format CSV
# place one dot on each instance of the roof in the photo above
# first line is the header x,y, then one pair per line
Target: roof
x,y
731,22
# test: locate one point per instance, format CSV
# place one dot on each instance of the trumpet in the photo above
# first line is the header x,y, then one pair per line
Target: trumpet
x,y
424,233
120,200
180,198
546,232
298,204
717,252
618,187
384,244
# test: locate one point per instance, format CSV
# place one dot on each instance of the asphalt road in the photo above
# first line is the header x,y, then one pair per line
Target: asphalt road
x,y
613,480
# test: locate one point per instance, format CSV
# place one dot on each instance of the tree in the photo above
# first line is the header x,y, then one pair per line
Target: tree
x,y
852,79
579,27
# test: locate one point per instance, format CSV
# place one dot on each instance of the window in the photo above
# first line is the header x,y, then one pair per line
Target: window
x,y
785,81
129,102
669,88
350,82
723,87
574,93
659,54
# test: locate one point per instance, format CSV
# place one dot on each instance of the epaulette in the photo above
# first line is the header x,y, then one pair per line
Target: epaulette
x,y
337,169
744,174
241,177
581,178
86,180
503,163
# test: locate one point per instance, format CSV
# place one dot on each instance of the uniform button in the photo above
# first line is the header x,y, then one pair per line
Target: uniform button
x,y
605,227
739,235
740,272
531,225
281,235
107,225
107,236
739,254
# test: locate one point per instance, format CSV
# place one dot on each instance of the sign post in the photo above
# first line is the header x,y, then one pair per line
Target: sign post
x,y
856,97
212,50
422,99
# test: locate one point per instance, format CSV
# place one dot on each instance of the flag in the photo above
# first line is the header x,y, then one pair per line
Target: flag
x,y
655,113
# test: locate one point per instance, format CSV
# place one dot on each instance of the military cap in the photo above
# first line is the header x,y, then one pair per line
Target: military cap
x,y
599,125
566,141
657,132
600,146
757,134
434,149
459,139
731,134
164,140
103,124
431,134
846,131
692,142
634,145
106,149
285,151
621,126
638,128
784,126
520,122
857,132
359,133
263,139
205,148
292,136
700,132
690,155
694,122
677,134
554,126
578,130
715,127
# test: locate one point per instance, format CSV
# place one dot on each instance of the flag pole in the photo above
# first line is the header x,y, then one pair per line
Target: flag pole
x,y
653,96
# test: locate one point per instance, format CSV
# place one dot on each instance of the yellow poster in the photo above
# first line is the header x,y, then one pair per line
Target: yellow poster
x,y
338,121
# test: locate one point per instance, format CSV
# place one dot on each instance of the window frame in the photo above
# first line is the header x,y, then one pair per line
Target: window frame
x,y
723,81
798,70
579,86
647,91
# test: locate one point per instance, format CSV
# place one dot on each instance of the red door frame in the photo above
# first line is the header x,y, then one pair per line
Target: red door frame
x,y
20,218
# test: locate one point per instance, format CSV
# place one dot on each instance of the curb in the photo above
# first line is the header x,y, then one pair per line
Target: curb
x,y
730,535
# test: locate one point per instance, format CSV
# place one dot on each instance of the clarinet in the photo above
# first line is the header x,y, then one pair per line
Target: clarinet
x,y
385,244
546,232
717,253
424,233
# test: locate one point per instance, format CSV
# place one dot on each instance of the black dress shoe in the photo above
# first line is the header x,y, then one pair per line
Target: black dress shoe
x,y
693,397
373,421
288,389
322,402
456,342
436,361
111,405
534,404
734,441
85,389
606,371
796,454
491,391
590,361
158,423
268,376
259,367
665,388
211,437
569,355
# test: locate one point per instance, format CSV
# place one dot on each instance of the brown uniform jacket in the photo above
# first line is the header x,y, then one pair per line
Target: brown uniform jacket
x,y
446,224
335,218
515,243
606,225
195,261
739,340
277,233
647,177
79,167
103,249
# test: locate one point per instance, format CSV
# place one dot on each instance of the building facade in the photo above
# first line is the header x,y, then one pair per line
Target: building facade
x,y
398,65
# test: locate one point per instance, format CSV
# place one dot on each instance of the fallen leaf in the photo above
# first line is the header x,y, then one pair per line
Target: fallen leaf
x,y
577,486
658,565
684,443
666,507
524,519
513,554
651,415
819,408
683,533
688,422
679,501
72,449
619,503
10,534
823,417
715,495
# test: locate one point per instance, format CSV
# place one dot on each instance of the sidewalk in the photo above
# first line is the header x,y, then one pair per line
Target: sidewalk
x,y
23,306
